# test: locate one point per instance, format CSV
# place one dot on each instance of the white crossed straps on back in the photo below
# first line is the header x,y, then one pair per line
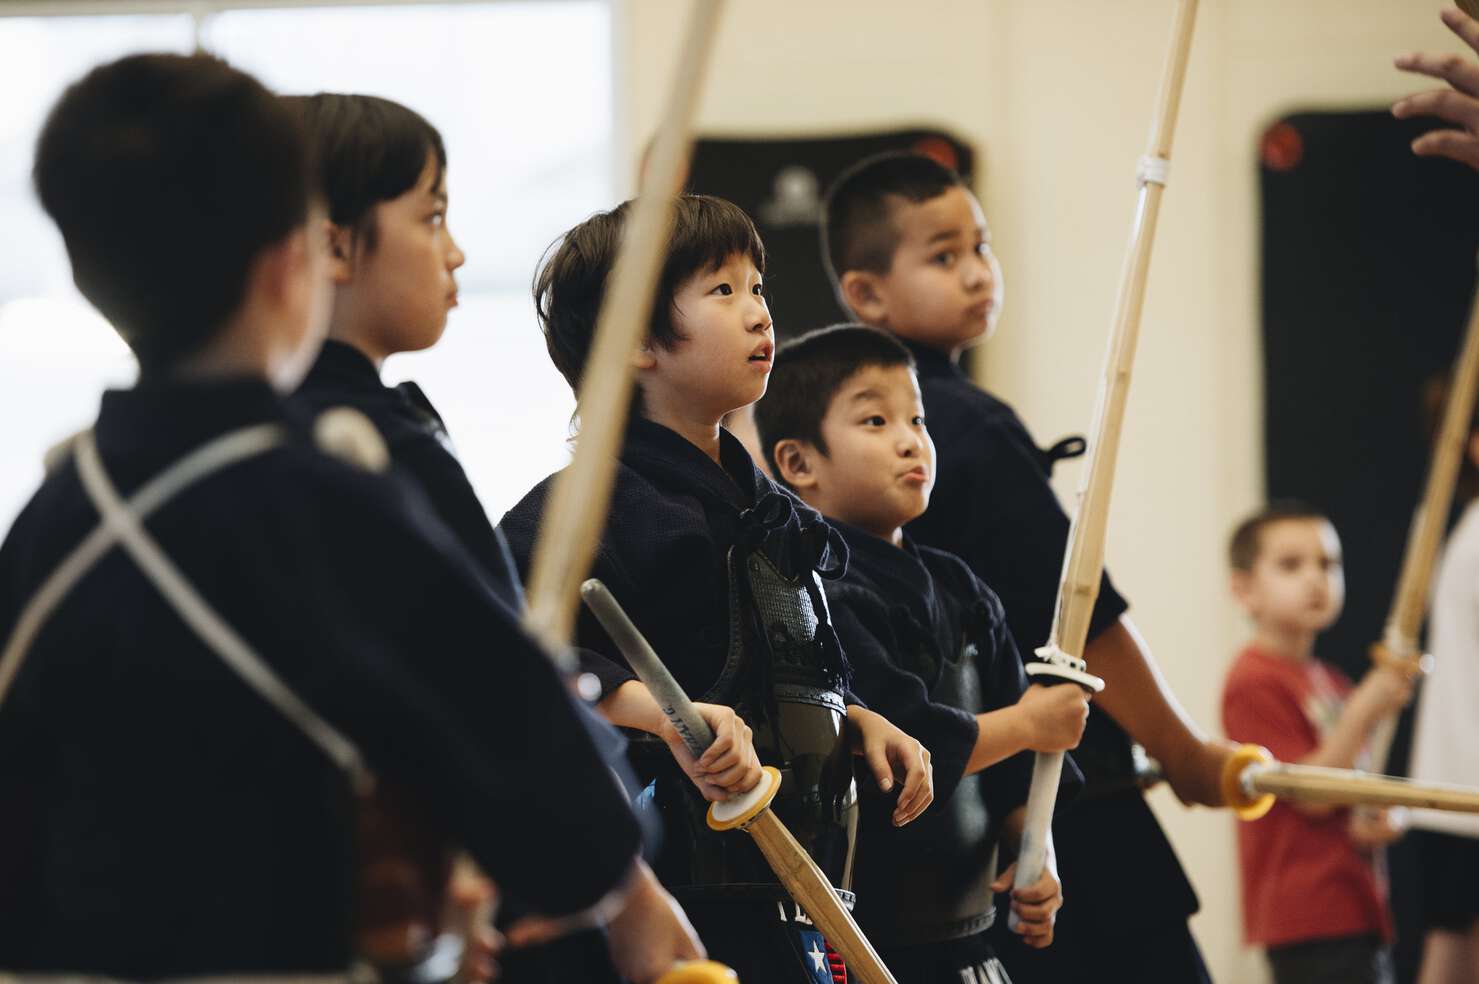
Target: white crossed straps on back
x,y
122,524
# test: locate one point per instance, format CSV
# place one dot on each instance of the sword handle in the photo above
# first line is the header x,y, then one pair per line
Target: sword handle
x,y
676,707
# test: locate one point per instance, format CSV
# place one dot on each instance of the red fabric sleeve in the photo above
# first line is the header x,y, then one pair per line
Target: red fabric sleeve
x,y
1266,709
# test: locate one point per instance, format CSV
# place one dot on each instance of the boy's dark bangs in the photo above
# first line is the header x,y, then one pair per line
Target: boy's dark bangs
x,y
706,232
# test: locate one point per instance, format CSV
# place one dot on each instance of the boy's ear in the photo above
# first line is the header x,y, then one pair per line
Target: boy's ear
x,y
793,463
862,292
643,357
1240,583
339,247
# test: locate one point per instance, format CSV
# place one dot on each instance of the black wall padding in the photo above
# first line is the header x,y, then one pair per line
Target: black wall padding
x,y
1368,274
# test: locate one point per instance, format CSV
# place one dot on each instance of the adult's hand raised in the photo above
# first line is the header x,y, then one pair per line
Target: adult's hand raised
x,y
1458,104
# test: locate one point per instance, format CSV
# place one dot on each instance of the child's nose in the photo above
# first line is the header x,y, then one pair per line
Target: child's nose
x,y
759,316
978,273
455,257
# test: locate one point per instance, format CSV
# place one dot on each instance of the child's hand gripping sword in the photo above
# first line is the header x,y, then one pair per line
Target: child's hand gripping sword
x,y
1083,563
1398,647
1252,781
749,811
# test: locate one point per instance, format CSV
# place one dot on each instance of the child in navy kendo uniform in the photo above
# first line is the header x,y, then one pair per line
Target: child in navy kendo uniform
x,y
908,250
393,261
844,427
280,629
722,571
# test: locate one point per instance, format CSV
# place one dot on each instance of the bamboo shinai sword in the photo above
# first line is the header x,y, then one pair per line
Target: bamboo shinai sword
x,y
1083,563
1398,647
1252,781
570,531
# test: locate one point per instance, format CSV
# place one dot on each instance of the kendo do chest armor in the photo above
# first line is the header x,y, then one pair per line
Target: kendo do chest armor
x,y
784,674
945,861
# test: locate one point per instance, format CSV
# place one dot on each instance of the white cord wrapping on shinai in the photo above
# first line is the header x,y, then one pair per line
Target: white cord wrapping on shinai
x,y
122,523
1153,170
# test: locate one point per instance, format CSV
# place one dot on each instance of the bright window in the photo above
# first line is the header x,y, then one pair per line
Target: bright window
x,y
521,92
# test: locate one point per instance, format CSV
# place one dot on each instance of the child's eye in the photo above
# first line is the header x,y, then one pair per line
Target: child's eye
x,y
437,218
983,249
875,421
944,259
758,290
723,290
918,421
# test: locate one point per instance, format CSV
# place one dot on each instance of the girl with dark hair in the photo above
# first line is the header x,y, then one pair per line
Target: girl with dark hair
x,y
393,262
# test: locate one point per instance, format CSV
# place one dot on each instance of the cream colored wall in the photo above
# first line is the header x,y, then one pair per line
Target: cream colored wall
x,y
1058,94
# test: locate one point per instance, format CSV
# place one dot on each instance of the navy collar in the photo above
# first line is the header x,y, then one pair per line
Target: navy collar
x,y
158,420
931,363
344,364
654,449
899,573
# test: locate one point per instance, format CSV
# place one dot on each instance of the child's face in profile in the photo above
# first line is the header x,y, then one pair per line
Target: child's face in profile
x,y
1297,581
944,287
879,467
399,293
723,360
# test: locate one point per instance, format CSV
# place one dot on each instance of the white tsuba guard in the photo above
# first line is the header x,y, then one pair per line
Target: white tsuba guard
x,y
1056,663
739,811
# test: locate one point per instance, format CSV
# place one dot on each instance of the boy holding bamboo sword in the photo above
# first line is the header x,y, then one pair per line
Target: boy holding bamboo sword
x,y
908,250
721,570
1313,891
843,426
219,691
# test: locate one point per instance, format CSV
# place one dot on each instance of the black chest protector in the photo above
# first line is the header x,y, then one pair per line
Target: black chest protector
x,y
931,881
784,673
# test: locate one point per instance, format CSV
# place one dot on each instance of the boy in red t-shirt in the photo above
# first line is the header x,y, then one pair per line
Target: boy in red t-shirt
x,y
1313,892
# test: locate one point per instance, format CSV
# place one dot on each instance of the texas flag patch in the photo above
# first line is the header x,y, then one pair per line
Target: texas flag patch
x,y
822,962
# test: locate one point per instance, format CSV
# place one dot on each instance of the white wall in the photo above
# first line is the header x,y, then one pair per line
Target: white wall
x,y
1058,94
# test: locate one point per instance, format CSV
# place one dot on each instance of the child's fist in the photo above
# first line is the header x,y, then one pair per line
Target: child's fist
x,y
1055,716
1383,691
1035,906
1373,827
730,765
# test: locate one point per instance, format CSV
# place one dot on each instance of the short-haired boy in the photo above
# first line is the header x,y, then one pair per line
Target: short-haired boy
x,y
908,249
1314,894
844,426
184,730
721,570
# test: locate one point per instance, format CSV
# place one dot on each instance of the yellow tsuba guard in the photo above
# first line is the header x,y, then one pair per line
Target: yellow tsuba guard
x,y
699,972
738,812
1246,807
